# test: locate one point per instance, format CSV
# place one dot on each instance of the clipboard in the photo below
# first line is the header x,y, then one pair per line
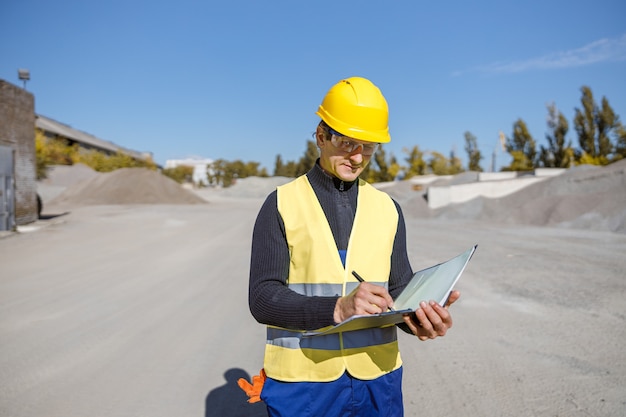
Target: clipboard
x,y
433,283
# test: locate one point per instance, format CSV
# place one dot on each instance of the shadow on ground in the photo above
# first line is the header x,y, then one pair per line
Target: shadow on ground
x,y
229,400
52,216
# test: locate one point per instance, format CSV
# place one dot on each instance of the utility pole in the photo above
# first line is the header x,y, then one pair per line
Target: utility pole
x,y
502,140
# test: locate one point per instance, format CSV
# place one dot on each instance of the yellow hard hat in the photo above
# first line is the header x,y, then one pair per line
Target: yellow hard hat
x,y
355,107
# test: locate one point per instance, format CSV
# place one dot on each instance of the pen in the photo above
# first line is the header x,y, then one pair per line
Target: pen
x,y
357,276
360,278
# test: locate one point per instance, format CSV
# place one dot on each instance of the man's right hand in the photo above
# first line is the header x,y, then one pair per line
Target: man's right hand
x,y
367,298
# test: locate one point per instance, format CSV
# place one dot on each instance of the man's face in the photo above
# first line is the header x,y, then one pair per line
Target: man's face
x,y
345,165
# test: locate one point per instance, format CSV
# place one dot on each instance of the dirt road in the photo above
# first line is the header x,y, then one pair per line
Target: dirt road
x,y
142,311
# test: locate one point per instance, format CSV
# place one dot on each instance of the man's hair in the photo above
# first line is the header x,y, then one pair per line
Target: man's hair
x,y
325,128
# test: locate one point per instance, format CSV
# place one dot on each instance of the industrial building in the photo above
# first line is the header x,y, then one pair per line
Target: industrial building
x,y
19,203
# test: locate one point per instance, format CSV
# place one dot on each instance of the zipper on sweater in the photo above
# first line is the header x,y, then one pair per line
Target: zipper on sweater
x,y
341,186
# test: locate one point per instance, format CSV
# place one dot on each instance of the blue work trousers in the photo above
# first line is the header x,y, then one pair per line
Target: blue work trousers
x,y
344,397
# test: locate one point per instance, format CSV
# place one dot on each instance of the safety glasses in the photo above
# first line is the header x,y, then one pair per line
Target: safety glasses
x,y
347,144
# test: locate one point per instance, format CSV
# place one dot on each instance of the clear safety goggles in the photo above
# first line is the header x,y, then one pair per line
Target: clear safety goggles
x,y
348,144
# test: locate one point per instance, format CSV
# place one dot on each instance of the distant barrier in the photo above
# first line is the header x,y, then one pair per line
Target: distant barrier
x,y
489,185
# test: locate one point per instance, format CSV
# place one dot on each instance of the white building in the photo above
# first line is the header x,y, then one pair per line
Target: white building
x,y
199,165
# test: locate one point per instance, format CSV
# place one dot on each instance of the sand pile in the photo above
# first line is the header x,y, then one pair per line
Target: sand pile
x,y
67,175
127,186
59,177
583,197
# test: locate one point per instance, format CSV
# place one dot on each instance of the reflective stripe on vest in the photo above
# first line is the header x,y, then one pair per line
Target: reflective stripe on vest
x,y
316,270
327,290
351,340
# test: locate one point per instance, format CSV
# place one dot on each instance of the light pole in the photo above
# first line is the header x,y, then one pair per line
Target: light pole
x,y
24,75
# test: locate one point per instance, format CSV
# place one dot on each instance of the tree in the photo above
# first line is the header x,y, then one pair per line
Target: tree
x,y
595,127
584,123
455,166
440,165
291,169
180,173
216,171
58,151
41,156
620,146
522,148
394,167
304,164
415,161
606,121
279,167
518,163
386,171
49,151
473,154
559,153
307,161
225,173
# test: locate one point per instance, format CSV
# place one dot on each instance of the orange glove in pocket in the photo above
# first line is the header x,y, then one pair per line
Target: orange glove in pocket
x,y
253,390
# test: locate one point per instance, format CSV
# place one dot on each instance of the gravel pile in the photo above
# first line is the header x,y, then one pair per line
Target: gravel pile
x,y
586,197
59,177
582,197
409,196
67,175
251,187
126,186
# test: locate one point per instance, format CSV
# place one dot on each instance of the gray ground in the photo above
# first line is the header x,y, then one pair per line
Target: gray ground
x,y
141,310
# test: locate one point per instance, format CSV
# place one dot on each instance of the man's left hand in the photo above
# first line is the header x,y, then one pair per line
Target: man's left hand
x,y
431,320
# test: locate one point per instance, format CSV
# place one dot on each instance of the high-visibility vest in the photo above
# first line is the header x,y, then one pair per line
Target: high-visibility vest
x,y
316,270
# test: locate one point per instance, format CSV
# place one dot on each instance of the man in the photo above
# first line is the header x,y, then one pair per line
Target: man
x,y
309,236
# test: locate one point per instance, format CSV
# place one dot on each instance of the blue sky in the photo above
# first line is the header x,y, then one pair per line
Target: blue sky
x,y
243,79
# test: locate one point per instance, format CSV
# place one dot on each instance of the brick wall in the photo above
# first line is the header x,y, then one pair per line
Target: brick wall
x,y
17,131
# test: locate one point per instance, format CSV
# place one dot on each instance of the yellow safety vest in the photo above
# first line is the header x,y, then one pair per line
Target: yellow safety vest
x,y
316,270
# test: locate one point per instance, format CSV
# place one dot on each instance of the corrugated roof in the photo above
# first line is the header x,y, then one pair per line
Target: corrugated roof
x,y
50,125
